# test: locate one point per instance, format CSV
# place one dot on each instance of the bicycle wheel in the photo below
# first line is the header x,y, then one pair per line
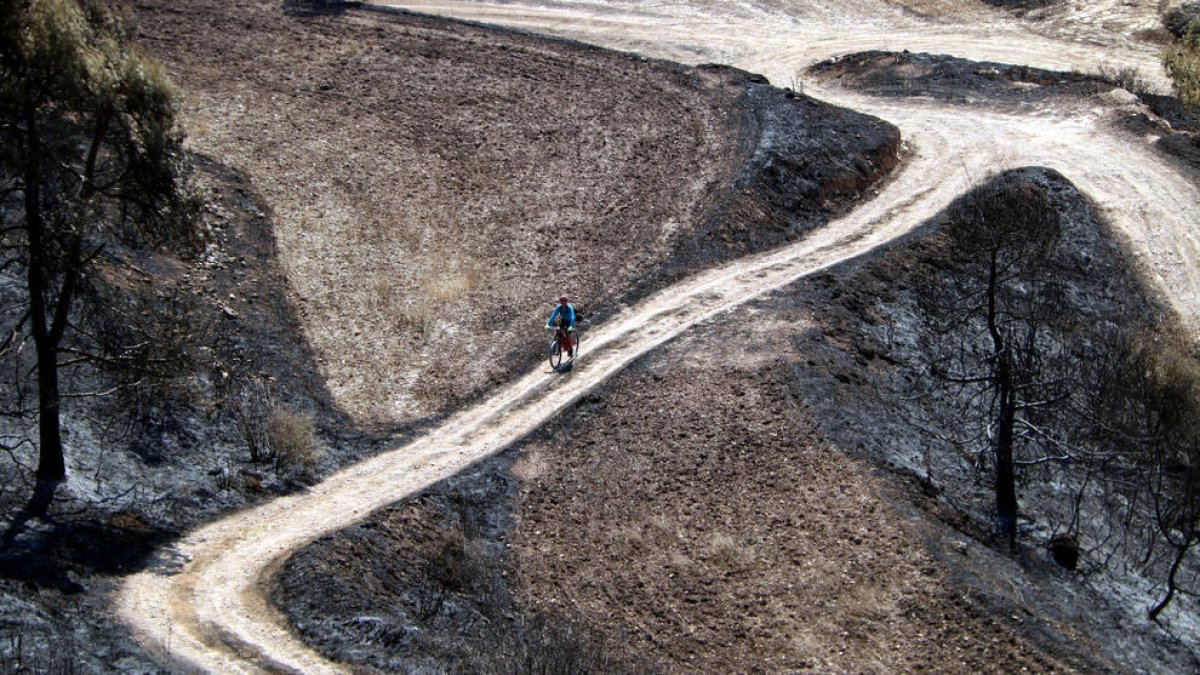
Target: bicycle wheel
x,y
556,354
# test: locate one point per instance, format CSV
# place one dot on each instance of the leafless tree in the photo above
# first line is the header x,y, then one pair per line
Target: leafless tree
x,y
1156,412
994,319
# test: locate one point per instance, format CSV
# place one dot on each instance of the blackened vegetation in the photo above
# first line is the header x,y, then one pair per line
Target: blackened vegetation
x,y
91,155
1069,380
151,428
1016,329
1153,419
1178,19
805,161
423,587
955,80
1065,550
1021,6
316,7
1004,339
1174,123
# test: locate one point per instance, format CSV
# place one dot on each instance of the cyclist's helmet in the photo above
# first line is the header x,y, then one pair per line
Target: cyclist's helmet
x,y
563,298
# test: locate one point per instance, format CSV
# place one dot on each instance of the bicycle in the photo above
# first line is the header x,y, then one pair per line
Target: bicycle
x,y
560,345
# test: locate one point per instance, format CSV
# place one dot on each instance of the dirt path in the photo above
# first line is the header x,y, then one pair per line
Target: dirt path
x,y
1144,194
211,614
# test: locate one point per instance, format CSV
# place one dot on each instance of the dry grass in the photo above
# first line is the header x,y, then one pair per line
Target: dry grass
x,y
196,127
450,286
293,439
1128,78
662,527
724,551
416,178
385,296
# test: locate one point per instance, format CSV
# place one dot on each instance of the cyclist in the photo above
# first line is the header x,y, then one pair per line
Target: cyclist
x,y
565,314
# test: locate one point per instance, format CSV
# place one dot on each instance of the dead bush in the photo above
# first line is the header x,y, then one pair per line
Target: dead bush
x,y
459,564
293,441
275,434
1181,59
1128,78
540,646
1178,20
252,410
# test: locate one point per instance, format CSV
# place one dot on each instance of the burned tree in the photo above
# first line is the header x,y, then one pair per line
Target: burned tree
x,y
1155,417
91,153
993,318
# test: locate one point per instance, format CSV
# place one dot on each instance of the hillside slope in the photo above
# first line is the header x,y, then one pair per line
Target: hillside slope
x,y
790,509
436,185
392,202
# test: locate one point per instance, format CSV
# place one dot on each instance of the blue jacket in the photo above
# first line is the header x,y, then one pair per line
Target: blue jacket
x,y
566,314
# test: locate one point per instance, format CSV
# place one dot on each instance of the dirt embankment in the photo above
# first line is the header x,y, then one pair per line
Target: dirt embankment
x,y
954,80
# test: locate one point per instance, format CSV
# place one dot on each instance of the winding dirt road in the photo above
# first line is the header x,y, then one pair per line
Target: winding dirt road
x,y
211,614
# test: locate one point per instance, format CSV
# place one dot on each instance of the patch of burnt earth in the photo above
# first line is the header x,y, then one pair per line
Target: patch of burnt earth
x,y
867,379
423,587
1177,19
952,79
1022,6
804,162
162,451
1174,126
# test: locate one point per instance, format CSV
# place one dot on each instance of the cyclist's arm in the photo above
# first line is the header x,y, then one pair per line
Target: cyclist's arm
x,y
550,321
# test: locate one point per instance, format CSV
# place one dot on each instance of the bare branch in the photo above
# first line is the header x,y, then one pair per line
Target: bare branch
x,y
107,392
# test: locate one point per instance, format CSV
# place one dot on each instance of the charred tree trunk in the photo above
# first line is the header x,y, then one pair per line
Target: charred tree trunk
x,y
1181,551
46,331
1006,488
